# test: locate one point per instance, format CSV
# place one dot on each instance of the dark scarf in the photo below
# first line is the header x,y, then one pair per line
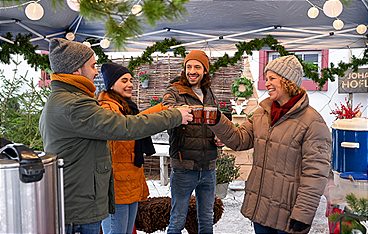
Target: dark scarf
x,y
278,111
142,146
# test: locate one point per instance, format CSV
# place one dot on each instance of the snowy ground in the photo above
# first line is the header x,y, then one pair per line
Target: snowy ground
x,y
232,221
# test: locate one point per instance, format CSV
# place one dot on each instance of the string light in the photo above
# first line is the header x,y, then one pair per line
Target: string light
x,y
137,10
313,12
73,4
361,29
338,24
34,11
332,8
70,36
104,43
17,6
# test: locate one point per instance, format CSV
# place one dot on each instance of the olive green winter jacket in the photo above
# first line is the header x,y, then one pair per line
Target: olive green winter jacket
x,y
74,127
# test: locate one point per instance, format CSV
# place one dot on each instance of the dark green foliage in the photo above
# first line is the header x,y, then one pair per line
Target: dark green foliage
x,y
248,85
358,205
226,170
351,217
162,46
20,109
310,70
23,46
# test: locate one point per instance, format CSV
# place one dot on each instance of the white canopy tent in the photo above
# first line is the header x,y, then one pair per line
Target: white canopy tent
x,y
216,24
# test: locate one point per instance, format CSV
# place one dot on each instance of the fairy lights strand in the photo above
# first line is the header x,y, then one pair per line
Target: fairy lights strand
x,y
19,5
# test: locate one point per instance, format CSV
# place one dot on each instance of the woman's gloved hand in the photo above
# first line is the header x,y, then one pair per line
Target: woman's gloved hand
x,y
298,226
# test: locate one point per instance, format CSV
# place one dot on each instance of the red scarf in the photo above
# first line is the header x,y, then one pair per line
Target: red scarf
x,y
278,111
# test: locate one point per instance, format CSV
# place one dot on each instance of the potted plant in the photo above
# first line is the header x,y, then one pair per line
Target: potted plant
x,y
225,109
155,100
242,88
226,172
143,77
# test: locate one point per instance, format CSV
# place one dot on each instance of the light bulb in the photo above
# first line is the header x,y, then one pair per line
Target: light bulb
x,y
137,10
313,12
86,43
104,43
338,24
361,29
332,8
70,36
73,4
34,11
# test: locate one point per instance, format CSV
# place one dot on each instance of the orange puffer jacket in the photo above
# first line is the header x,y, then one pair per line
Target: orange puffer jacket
x,y
129,181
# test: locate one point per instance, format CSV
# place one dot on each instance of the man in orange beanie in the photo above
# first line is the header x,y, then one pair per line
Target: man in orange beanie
x,y
193,151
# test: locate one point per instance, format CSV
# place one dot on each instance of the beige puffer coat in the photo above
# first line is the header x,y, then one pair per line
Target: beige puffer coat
x,y
291,163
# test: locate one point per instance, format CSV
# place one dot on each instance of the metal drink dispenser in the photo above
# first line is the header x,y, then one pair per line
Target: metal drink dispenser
x,y
29,191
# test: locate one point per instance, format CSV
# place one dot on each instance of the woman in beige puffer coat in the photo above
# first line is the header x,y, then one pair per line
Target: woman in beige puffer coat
x,y
292,147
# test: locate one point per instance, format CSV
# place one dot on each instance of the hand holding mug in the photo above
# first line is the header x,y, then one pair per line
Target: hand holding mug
x,y
186,116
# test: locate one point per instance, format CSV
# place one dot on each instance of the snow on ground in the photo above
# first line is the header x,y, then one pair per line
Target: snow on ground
x,y
232,221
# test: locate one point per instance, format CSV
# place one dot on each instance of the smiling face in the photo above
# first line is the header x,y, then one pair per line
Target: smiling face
x,y
194,71
275,88
124,85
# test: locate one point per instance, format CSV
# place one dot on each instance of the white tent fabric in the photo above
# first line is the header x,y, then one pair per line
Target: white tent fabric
x,y
218,24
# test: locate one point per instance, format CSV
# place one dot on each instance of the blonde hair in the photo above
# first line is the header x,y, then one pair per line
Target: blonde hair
x,y
291,88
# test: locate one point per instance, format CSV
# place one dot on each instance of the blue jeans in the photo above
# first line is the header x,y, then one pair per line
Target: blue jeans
x,y
260,229
89,228
123,219
182,183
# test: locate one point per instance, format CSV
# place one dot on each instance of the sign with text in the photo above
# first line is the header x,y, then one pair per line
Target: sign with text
x,y
354,82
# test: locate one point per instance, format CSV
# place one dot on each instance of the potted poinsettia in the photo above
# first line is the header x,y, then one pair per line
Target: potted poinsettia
x,y
155,100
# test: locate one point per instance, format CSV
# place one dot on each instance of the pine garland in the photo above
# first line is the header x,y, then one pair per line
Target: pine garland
x,y
23,46
162,47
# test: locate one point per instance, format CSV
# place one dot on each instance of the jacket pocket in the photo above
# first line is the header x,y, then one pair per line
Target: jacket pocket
x,y
102,178
103,167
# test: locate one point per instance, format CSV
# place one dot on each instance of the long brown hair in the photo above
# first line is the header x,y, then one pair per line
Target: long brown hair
x,y
117,97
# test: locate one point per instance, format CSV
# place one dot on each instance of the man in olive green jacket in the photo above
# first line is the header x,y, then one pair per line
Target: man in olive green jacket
x,y
74,127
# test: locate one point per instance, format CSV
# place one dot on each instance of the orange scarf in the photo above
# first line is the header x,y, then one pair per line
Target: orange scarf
x,y
78,81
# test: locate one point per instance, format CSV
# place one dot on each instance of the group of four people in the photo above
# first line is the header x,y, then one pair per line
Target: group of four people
x,y
103,141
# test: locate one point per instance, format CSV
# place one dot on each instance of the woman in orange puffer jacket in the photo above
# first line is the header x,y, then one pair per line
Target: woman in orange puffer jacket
x,y
127,156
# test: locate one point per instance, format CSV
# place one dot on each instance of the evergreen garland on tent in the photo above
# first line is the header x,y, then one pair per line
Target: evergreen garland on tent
x,y
23,46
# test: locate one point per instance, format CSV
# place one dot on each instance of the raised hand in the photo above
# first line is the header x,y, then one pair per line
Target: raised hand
x,y
186,116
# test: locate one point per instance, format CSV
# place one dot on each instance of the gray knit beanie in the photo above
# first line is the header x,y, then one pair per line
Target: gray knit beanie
x,y
67,56
288,67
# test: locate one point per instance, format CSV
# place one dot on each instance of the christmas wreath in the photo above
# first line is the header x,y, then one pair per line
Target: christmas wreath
x,y
242,87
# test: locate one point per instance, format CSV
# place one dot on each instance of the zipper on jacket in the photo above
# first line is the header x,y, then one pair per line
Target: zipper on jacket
x,y
262,174
204,139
